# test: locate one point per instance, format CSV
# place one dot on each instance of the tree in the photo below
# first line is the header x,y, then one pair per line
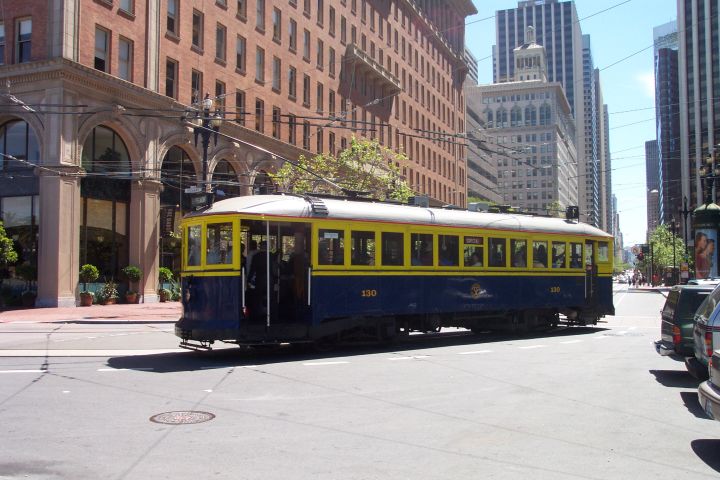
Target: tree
x,y
365,166
8,255
662,241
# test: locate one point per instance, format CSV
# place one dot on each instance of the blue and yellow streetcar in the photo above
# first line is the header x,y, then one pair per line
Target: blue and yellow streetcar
x,y
272,269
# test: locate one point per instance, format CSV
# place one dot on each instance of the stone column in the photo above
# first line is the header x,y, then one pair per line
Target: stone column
x,y
59,241
144,235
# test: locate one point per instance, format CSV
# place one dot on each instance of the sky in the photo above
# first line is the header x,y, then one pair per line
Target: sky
x,y
625,28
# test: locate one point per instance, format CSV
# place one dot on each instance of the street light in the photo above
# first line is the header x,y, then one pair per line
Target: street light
x,y
673,225
206,125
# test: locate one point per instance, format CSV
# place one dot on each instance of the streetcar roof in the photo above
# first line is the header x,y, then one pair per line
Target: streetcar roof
x,y
339,209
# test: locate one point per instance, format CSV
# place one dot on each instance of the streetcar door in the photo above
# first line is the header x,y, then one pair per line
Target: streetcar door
x,y
590,273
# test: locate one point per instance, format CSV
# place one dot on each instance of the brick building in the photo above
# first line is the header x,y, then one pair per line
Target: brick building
x,y
96,96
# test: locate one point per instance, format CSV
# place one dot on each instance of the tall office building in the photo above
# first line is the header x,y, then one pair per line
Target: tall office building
x,y
699,80
652,185
667,115
532,134
569,62
98,93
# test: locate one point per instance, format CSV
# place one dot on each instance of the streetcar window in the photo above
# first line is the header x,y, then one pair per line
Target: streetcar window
x,y
421,245
576,255
392,248
473,251
331,247
558,254
193,246
540,254
496,252
519,253
448,250
218,241
363,248
603,252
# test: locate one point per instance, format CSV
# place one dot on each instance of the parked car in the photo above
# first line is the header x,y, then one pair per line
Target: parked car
x,y
709,391
677,319
706,335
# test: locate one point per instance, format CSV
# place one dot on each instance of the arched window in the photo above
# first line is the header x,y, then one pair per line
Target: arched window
x,y
17,140
104,151
177,173
516,117
502,117
263,184
545,114
530,115
225,180
490,118
105,193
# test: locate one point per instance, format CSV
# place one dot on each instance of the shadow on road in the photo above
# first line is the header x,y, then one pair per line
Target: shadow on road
x,y
232,356
675,378
690,399
707,451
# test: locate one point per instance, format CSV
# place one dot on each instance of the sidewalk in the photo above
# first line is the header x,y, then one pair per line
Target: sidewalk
x,y
167,312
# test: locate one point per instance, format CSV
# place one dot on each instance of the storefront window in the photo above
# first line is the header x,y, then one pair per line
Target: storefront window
x,y
20,219
105,198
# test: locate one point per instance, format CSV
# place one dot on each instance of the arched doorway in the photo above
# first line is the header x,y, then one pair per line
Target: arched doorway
x,y
105,197
177,174
19,203
225,181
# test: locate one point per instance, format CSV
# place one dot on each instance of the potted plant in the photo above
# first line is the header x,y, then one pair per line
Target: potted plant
x,y
133,274
165,294
88,273
108,294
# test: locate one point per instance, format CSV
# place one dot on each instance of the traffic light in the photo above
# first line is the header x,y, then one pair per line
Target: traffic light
x,y
640,256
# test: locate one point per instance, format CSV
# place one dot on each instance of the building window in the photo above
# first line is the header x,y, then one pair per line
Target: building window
x,y
319,140
259,65
331,103
276,122
292,126
220,97
277,25
306,8
127,6
277,68
195,86
240,107
125,59
319,98
259,115
343,30
17,140
172,17
306,135
331,62
331,19
102,48
197,29
242,9
292,83
171,73
260,15
220,42
293,35
306,45
240,54
320,12
331,140
320,54
306,90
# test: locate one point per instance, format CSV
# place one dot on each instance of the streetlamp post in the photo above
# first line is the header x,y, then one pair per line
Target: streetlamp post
x,y
206,125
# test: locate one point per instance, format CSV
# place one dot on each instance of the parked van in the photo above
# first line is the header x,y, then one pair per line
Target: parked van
x,y
678,319
706,335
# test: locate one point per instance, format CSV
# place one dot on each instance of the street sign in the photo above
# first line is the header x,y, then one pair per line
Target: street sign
x,y
193,189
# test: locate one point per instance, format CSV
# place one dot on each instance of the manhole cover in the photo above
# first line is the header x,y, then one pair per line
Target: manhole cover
x,y
181,418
